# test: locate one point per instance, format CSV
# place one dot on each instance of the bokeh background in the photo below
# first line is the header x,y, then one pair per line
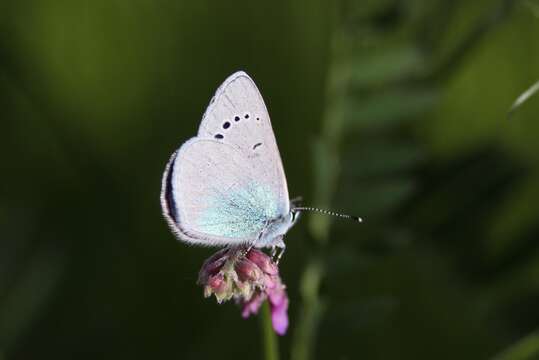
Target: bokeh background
x,y
390,109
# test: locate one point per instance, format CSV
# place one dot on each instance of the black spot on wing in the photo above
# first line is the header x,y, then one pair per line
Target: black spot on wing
x,y
219,136
256,145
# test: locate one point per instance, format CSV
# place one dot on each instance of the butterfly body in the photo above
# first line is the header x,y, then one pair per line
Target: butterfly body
x,y
226,186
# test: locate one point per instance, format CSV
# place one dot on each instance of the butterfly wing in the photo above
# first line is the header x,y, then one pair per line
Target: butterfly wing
x,y
237,113
222,186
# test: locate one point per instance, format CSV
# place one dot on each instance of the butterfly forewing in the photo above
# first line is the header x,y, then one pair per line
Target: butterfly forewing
x,y
225,184
238,116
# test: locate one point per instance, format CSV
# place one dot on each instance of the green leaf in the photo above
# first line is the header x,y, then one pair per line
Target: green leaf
x,y
28,296
368,8
372,198
390,108
366,158
524,97
514,217
524,349
383,65
363,313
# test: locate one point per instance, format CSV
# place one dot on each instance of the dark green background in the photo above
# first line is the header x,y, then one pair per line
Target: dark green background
x,y
95,96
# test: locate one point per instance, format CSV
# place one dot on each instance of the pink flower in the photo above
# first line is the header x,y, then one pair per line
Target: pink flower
x,y
250,278
279,309
263,261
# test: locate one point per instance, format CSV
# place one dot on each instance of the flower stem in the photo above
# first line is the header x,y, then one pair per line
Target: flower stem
x,y
327,168
271,344
311,312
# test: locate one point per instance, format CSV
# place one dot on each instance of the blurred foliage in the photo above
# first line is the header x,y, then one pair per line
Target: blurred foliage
x,y
403,106
527,348
532,90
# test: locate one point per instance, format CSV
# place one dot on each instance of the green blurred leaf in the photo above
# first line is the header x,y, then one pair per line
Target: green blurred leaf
x,y
473,105
462,22
511,286
379,66
362,313
389,108
370,198
343,259
367,8
525,349
366,158
514,217
533,6
27,296
525,96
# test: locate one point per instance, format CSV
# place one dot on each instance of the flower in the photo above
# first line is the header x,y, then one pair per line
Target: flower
x,y
249,276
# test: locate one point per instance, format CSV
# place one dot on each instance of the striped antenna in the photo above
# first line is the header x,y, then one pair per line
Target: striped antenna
x,y
327,212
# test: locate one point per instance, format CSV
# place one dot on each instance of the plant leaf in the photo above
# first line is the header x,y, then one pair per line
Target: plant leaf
x,y
524,349
523,98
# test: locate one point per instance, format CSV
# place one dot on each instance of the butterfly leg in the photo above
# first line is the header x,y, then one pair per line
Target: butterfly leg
x,y
281,246
246,250
281,253
273,252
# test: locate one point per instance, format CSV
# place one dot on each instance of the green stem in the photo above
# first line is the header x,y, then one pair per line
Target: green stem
x,y
311,312
271,344
327,169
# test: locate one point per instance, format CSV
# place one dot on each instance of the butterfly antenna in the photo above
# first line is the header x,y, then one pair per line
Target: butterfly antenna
x,y
327,212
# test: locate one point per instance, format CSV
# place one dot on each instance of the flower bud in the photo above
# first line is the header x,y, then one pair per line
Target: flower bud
x,y
250,279
279,320
251,306
212,266
278,301
247,270
220,286
245,289
263,261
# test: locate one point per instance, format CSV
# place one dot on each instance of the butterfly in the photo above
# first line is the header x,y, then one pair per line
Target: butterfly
x,y
226,186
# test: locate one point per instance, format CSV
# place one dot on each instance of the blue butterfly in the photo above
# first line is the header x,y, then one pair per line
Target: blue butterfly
x,y
227,186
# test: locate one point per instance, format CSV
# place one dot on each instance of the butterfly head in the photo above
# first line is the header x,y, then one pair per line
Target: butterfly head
x,y
275,230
